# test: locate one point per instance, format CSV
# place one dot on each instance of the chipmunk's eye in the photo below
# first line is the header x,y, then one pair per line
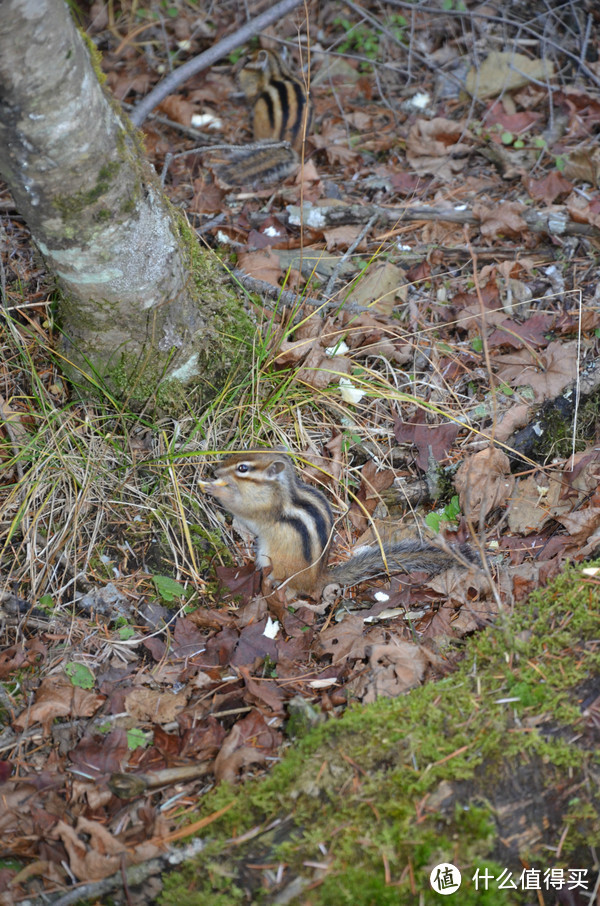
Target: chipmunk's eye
x,y
243,467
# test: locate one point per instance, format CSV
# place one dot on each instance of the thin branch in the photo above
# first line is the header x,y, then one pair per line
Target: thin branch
x,y
289,298
557,223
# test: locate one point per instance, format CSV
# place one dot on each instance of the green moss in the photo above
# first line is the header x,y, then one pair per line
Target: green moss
x,y
557,437
234,321
582,823
72,205
448,752
95,55
556,421
589,418
209,543
205,891
132,375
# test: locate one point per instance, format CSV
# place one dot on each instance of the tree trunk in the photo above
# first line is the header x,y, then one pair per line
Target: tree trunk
x,y
129,269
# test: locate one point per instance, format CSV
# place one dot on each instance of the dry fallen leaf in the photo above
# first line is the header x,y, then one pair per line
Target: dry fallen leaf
x,y
531,332
549,187
433,442
291,352
457,584
58,697
333,140
373,481
394,669
515,122
381,287
177,109
583,165
346,640
341,237
320,370
250,741
582,523
535,502
371,334
93,851
582,471
547,372
516,417
504,71
581,211
503,219
263,265
587,550
438,147
208,197
479,309
156,705
484,482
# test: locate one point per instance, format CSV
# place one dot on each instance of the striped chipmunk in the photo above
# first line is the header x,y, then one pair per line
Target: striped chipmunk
x,y
293,525
281,114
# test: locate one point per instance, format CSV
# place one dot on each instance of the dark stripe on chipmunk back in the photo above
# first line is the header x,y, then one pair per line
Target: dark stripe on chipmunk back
x,y
267,100
320,514
301,106
304,536
290,106
322,523
282,89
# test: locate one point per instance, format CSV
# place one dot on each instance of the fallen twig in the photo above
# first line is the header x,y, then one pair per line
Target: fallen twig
x,y
291,299
553,223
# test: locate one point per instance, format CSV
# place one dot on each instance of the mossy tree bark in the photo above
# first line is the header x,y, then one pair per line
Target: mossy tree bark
x,y
139,304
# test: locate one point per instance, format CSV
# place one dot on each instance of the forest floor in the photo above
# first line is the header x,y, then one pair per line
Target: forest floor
x,y
427,304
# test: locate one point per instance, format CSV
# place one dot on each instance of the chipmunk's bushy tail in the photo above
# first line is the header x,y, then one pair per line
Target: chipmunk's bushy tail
x,y
402,557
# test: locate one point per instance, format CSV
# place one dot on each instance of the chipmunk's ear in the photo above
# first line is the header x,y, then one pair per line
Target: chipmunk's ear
x,y
275,468
262,59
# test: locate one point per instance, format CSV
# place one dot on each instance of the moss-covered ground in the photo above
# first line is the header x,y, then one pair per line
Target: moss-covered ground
x,y
491,767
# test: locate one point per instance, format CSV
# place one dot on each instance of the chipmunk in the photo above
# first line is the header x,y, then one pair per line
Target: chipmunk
x,y
281,118
293,525
281,108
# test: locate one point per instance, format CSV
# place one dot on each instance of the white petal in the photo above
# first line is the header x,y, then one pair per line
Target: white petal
x,y
339,349
350,394
271,629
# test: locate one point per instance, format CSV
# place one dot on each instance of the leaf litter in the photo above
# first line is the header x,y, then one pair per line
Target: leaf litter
x,y
447,301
